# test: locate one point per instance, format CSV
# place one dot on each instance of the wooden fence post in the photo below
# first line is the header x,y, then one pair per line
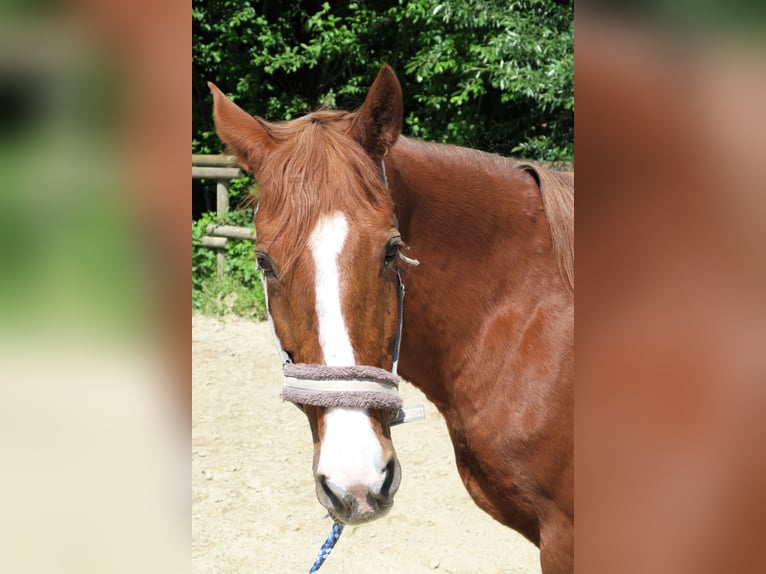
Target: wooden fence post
x,y
222,206
223,169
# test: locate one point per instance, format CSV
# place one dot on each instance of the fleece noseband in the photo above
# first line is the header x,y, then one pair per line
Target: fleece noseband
x,y
352,387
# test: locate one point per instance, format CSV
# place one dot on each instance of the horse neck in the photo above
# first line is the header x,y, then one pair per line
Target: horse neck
x,y
477,226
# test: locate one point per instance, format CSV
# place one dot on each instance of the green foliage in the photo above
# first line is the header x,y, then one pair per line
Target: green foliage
x,y
226,296
203,259
496,75
240,291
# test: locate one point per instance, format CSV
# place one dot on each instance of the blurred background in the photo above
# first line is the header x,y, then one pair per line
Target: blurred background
x,y
94,321
671,304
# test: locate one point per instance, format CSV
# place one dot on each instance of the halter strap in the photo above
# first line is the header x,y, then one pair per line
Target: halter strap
x,y
400,321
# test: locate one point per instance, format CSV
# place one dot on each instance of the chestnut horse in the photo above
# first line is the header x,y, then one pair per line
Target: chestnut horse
x,y
486,330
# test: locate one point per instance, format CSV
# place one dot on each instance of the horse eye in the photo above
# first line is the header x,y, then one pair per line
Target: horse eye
x,y
264,264
392,250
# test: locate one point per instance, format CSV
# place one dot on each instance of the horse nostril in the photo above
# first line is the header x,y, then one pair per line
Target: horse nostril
x,y
391,479
334,493
385,489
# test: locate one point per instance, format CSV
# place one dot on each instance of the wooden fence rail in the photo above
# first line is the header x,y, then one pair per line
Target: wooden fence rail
x,y
221,168
230,231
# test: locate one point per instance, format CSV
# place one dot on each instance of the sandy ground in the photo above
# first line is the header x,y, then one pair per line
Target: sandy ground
x,y
254,507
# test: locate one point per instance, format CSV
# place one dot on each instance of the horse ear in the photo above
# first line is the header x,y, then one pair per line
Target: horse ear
x,y
377,124
245,136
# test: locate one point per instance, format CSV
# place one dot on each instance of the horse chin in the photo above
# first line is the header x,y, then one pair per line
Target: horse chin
x,y
360,503
355,507
359,517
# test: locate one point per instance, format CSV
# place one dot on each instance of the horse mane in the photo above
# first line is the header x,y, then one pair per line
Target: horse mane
x,y
557,192
316,167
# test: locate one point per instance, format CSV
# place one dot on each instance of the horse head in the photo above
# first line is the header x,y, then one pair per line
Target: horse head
x,y
328,246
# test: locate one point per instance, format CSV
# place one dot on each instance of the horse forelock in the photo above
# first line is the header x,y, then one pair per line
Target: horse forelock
x,y
316,168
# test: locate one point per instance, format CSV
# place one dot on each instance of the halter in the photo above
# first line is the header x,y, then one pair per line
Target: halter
x,y
356,386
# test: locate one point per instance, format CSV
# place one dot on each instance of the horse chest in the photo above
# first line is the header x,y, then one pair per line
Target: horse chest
x,y
495,487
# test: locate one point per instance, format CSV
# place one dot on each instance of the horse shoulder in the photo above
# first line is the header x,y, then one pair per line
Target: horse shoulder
x,y
510,451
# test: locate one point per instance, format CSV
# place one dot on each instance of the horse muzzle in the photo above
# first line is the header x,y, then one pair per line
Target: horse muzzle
x,y
352,492
360,503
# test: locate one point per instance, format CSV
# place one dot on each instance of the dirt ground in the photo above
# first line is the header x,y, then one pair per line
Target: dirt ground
x,y
254,507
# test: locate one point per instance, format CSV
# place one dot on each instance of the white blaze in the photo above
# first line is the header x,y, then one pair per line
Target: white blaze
x,y
326,243
351,453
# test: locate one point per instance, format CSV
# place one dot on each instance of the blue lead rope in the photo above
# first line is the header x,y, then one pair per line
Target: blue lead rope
x,y
328,545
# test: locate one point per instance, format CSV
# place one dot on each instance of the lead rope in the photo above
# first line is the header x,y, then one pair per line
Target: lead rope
x,y
329,544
